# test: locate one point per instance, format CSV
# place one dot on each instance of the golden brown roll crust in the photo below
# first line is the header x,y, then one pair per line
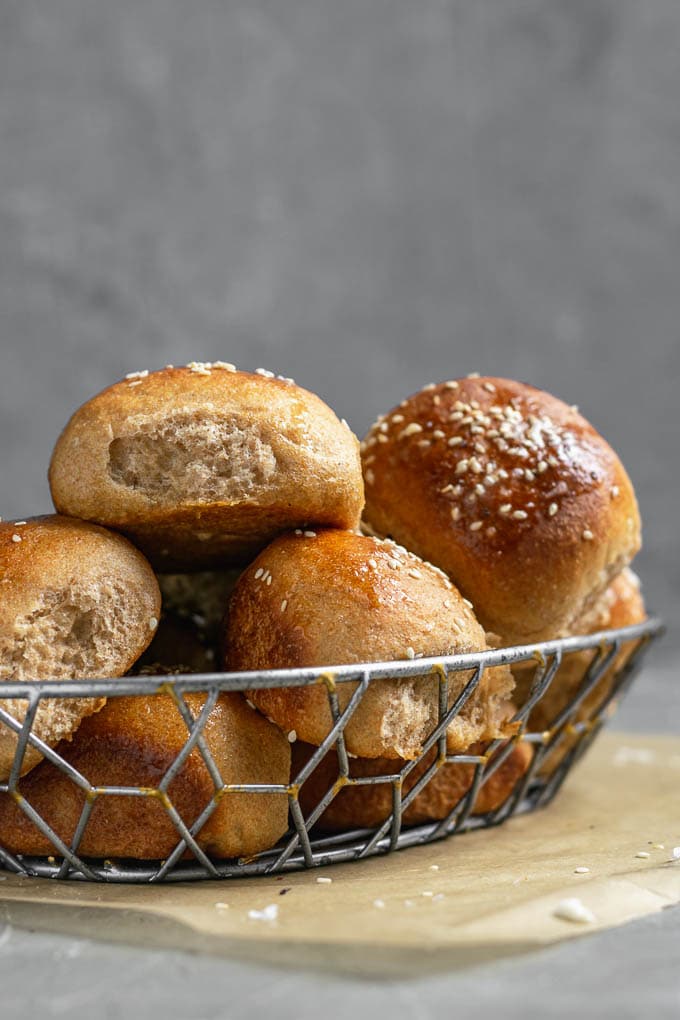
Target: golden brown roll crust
x,y
334,597
203,465
621,605
76,601
132,742
508,490
359,807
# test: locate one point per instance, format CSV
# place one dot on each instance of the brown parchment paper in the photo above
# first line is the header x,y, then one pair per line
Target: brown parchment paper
x,y
461,901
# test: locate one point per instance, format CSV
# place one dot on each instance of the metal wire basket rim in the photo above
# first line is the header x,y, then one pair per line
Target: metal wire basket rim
x,y
299,677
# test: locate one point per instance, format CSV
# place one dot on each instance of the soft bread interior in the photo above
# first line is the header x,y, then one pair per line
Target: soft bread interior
x,y
191,455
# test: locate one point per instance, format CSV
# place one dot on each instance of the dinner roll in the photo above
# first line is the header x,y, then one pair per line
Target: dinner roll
x,y
75,601
132,742
365,807
202,466
334,597
508,490
621,605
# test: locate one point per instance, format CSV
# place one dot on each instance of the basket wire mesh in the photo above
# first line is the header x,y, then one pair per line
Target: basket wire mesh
x,y
554,751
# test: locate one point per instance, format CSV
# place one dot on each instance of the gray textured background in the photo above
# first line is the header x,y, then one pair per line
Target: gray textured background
x,y
367,195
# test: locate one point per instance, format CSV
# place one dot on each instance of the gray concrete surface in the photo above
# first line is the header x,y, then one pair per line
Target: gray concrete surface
x,y
366,195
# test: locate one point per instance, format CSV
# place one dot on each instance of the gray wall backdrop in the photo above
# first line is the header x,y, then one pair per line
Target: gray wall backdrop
x,y
367,195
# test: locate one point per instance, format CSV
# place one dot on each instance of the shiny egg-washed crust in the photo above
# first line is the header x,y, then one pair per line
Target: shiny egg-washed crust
x,y
359,807
335,597
132,742
621,605
511,492
203,466
76,601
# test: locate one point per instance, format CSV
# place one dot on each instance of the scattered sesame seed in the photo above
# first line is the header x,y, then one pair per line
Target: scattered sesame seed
x,y
455,441
309,534
455,513
414,573
397,419
447,488
476,525
424,443
552,509
258,573
658,846
476,466
430,386
434,867
17,524
221,906
264,372
270,913
284,605
369,476
675,853
438,434
520,515
410,654
573,909
473,375
138,375
479,489
587,535
382,438
226,366
292,736
269,578
153,623
323,880
199,367
411,429
468,603
643,854
135,382
581,871
298,531
427,892
380,904
491,531
451,385
505,508
574,408
16,538
461,466
614,491
446,604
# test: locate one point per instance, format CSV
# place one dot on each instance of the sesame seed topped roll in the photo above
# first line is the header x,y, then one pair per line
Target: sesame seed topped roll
x,y
201,465
511,492
334,597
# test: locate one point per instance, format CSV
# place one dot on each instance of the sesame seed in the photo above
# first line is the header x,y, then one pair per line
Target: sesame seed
x,y
473,375
424,442
309,534
264,372
16,538
476,525
456,416
438,434
529,475
479,489
323,880
397,419
434,867
292,736
380,904
284,605
476,430
411,430
138,375
675,853
455,441
269,578
468,603
226,366
489,480
382,438
199,367
520,515
410,653
505,508
574,408
572,909
461,466
489,387
298,531
552,509
581,871
369,476
414,573
17,524
383,427
153,623
258,573
135,382
479,447
372,563
643,854
587,535
427,892
446,604
451,385
614,491
430,386
447,488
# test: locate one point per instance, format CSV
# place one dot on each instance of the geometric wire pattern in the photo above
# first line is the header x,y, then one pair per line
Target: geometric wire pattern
x,y
604,674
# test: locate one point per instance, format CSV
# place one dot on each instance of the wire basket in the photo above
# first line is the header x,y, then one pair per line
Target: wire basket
x,y
602,667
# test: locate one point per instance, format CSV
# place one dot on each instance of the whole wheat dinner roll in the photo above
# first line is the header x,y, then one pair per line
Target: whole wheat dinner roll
x,y
132,742
508,490
621,605
336,597
203,465
365,807
76,601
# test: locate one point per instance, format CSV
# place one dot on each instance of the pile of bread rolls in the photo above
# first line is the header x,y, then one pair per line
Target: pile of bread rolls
x,y
208,519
